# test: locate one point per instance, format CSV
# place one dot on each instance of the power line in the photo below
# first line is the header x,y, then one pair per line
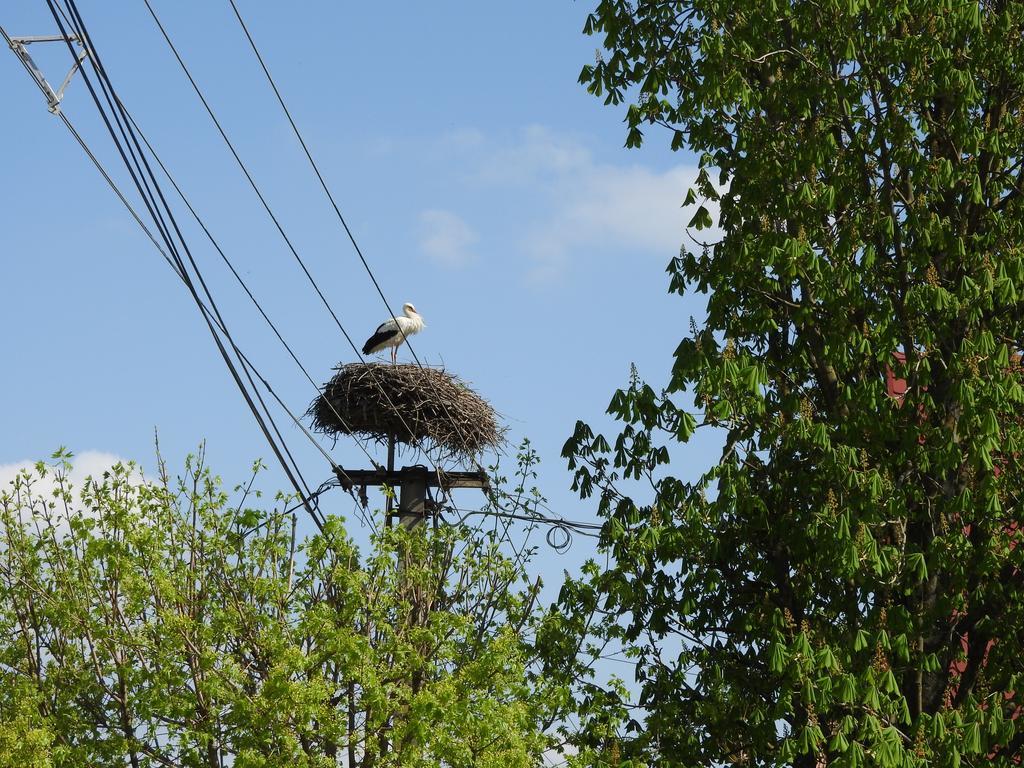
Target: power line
x,y
149,189
267,208
113,186
214,316
327,191
243,284
568,527
175,267
143,187
281,231
316,169
112,97
130,119
248,175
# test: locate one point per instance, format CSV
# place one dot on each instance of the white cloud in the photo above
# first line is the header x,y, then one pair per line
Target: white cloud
x,y
538,155
588,206
463,139
446,238
567,205
629,208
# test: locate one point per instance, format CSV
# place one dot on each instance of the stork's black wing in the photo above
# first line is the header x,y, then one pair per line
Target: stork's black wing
x,y
376,341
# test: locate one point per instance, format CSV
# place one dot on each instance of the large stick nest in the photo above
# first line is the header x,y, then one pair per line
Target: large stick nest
x,y
411,403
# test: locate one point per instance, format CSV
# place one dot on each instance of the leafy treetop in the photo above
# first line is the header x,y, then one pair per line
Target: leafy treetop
x,y
842,586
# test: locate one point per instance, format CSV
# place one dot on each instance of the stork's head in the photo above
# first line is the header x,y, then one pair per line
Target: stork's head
x,y
409,309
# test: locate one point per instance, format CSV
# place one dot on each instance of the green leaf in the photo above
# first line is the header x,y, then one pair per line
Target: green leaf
x,y
701,219
860,640
916,565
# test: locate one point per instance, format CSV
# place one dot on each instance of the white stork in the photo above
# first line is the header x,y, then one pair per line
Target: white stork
x,y
392,332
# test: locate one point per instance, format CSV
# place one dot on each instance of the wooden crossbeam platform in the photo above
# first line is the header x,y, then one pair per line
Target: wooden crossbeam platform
x,y
412,484
350,478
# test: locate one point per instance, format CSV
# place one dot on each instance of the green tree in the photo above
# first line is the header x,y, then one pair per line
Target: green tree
x,y
843,585
160,624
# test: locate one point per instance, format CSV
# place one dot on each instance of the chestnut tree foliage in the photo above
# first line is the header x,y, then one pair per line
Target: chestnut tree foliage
x,y
160,624
842,586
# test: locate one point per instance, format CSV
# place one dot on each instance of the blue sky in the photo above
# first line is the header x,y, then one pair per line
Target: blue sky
x,y
482,183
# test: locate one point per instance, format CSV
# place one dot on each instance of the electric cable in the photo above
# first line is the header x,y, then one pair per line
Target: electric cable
x,y
316,168
248,368
248,175
149,197
339,471
567,527
273,217
281,231
99,167
338,213
242,283
94,59
266,384
323,184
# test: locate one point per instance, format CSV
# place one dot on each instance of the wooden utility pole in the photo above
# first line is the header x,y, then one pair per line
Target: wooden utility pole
x,y
412,497
389,502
